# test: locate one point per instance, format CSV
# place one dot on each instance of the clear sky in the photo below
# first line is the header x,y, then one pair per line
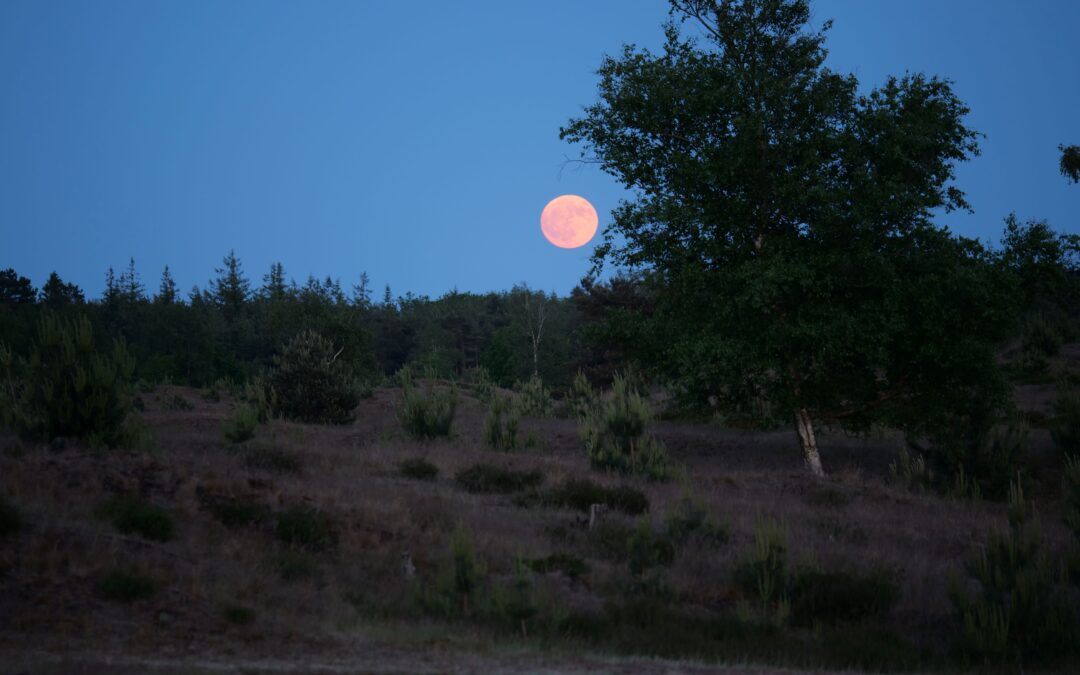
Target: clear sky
x,y
419,141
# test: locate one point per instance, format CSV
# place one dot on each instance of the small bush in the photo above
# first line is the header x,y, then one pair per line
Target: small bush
x,y
66,388
305,527
126,585
468,568
615,435
571,566
238,615
531,398
130,515
501,425
834,597
491,479
581,398
272,458
177,402
296,566
764,576
911,472
513,603
260,396
311,383
428,414
481,384
646,549
10,518
1070,493
582,494
419,469
235,513
241,424
1021,611
1065,429
985,465
690,521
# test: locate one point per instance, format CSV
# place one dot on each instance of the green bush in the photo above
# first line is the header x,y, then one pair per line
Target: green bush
x,y
272,458
834,597
1070,493
467,566
514,603
1021,610
419,469
582,494
570,566
481,384
305,527
491,479
311,383
615,435
126,585
646,549
1065,429
427,414
911,472
238,615
764,575
234,513
531,398
581,398
260,396
240,426
10,518
690,521
66,388
130,515
985,465
501,424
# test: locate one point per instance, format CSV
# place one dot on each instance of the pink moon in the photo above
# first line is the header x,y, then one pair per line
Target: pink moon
x,y
569,221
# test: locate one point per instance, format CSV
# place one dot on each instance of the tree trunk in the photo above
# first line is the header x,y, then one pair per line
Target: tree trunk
x,y
804,426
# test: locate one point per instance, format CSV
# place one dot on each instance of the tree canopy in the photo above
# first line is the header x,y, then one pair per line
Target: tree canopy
x,y
786,225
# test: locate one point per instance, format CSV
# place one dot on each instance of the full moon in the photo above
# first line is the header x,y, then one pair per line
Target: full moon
x,y
569,221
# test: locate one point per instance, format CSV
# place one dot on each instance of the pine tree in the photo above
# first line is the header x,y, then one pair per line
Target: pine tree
x,y
131,287
362,292
231,289
56,294
274,288
16,290
112,288
167,291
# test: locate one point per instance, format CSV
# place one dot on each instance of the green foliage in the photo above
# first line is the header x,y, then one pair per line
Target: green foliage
x,y
531,398
130,515
791,260
429,413
1070,492
835,597
911,472
272,458
570,566
312,383
615,435
501,424
581,494
1021,611
236,512
645,549
764,575
491,479
305,527
690,521
65,387
419,469
483,387
238,615
296,566
241,424
514,602
127,584
261,397
177,402
10,519
1070,162
984,464
468,568
1065,429
581,398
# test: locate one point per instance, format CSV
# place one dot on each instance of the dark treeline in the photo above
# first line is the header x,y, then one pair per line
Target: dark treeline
x,y
233,327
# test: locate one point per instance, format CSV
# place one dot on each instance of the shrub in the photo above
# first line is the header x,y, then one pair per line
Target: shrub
x,y
690,521
501,424
1070,492
491,479
65,387
531,398
311,383
646,549
296,565
240,426
128,514
126,585
571,566
468,569
985,465
615,437
582,494
238,615
833,597
764,575
272,458
514,603
428,414
234,513
10,518
260,396
177,402
911,472
305,527
1065,429
481,384
419,469
1021,610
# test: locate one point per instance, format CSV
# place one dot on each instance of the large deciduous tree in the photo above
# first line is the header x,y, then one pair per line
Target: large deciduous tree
x,y
785,222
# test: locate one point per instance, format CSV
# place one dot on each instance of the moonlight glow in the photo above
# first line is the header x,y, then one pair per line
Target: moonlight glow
x,y
569,221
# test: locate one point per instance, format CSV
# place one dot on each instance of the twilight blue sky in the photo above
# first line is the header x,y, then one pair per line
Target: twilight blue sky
x,y
419,141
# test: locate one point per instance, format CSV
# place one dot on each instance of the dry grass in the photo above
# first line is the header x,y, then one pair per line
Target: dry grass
x,y
327,598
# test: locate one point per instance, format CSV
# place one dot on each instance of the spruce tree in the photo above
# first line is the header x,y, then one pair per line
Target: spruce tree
x,y
167,290
56,294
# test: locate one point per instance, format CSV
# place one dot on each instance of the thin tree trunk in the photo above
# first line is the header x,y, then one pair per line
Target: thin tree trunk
x,y
804,426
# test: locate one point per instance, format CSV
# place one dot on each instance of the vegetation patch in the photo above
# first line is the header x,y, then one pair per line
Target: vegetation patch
x,y
501,424
130,515
240,425
570,566
294,566
305,527
690,521
273,458
178,403
312,382
126,585
492,479
236,513
419,469
238,615
615,437
582,494
11,521
428,413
